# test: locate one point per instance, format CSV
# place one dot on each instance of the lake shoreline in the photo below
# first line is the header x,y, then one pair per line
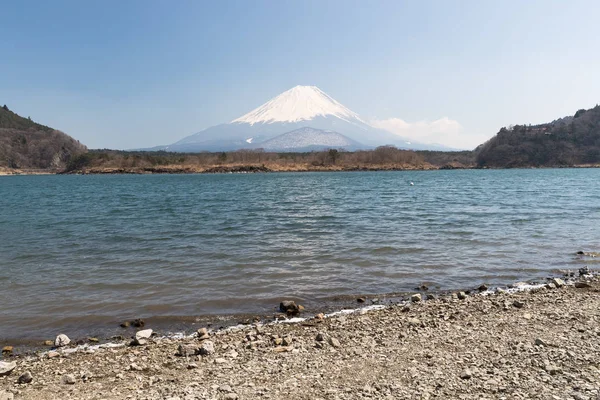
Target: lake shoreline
x,y
467,345
248,169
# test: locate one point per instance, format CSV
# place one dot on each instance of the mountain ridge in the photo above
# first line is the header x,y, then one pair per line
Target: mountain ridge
x,y
295,108
27,144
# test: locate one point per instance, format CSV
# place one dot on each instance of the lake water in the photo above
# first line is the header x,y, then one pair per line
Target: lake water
x,y
79,254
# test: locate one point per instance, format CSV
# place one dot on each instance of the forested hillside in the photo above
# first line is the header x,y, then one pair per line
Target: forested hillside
x,y
569,141
25,144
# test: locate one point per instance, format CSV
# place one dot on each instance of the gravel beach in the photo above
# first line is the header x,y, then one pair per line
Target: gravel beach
x,y
542,343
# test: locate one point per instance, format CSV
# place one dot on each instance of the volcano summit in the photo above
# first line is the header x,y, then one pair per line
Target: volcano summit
x,y
283,117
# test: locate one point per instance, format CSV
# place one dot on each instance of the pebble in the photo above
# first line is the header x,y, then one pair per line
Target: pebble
x,y
558,282
207,348
7,349
203,334
68,379
552,369
334,342
415,297
141,337
320,337
225,388
466,374
25,378
61,340
540,342
230,396
582,285
6,367
187,350
361,299
461,295
518,304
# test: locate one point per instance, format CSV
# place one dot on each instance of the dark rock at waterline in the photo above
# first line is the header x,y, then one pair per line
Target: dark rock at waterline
x,y
361,299
290,307
136,323
580,253
582,285
483,287
584,271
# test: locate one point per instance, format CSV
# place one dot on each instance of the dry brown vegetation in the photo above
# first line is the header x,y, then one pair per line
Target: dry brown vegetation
x,y
382,158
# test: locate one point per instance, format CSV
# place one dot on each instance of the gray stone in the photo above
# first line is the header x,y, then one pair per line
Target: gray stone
x,y
187,350
25,378
68,379
518,304
466,374
141,337
61,340
558,282
6,367
334,342
461,295
207,348
415,298
582,285
203,334
552,369
225,389
320,337
230,396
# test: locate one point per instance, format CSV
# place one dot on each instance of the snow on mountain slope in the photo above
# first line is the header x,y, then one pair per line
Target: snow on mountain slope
x,y
299,107
307,139
300,103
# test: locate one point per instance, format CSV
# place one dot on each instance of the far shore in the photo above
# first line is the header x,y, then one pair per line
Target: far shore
x,y
254,168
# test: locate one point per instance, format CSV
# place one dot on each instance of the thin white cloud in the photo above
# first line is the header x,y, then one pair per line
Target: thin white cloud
x,y
444,131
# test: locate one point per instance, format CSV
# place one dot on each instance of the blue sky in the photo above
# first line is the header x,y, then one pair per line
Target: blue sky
x,y
143,73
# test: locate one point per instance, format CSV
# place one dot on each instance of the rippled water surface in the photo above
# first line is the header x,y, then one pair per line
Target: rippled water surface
x,y
83,252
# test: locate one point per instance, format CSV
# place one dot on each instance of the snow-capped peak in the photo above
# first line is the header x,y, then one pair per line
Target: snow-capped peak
x,y
300,103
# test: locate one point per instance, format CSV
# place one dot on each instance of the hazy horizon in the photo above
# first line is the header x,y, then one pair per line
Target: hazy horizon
x,y
142,74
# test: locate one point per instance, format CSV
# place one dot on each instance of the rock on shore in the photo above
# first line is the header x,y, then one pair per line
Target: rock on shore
x,y
542,344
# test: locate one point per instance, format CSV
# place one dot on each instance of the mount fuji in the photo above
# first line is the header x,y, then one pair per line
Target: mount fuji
x,y
299,107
